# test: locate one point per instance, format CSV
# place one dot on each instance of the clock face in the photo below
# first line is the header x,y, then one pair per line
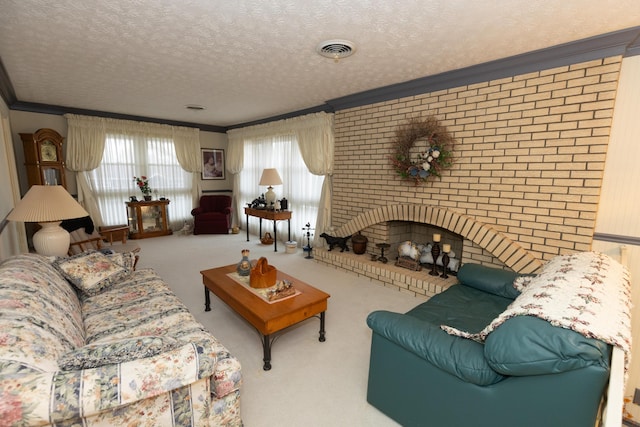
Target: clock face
x,y
48,152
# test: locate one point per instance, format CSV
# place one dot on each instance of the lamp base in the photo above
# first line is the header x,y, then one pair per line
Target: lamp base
x,y
270,197
51,239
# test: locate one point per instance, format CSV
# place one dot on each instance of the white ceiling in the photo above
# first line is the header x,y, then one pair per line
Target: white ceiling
x,y
247,60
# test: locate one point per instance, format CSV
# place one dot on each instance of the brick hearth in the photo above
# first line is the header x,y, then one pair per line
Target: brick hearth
x,y
418,283
482,243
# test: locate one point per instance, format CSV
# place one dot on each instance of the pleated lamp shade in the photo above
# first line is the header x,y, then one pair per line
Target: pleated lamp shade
x,y
48,205
270,177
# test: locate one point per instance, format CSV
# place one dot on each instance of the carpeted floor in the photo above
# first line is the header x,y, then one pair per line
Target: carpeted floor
x,y
311,383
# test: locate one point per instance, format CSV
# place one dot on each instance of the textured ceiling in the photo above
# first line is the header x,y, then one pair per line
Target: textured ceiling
x,y
247,60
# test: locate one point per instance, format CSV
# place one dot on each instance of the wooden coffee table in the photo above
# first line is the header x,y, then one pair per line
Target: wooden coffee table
x,y
265,317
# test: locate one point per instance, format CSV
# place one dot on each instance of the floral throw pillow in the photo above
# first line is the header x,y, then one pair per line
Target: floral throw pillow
x,y
117,351
126,260
91,271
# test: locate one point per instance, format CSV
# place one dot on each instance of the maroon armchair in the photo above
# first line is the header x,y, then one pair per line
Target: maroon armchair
x,y
213,216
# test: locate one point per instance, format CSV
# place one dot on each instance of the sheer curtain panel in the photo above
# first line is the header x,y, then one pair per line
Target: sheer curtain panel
x,y
136,149
290,147
85,145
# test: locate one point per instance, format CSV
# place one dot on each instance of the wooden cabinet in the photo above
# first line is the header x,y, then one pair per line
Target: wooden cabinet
x,y
148,219
43,157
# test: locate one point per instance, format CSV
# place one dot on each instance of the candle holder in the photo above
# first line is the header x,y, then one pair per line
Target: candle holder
x,y
435,252
445,265
383,259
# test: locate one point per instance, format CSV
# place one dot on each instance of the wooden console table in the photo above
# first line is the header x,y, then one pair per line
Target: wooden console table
x,y
274,216
148,219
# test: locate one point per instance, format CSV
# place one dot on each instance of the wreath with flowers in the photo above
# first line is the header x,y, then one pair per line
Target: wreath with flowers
x,y
429,162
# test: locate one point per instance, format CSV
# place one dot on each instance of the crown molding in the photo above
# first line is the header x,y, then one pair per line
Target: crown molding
x,y
33,107
6,88
325,108
624,42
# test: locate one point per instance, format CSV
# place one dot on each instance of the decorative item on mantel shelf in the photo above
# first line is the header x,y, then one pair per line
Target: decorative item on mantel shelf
x,y
143,184
417,164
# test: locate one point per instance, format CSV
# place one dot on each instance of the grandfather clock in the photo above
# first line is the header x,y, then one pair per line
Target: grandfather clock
x,y
43,157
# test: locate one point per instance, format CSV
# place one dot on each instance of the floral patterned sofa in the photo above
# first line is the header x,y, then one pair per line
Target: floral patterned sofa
x,y
86,340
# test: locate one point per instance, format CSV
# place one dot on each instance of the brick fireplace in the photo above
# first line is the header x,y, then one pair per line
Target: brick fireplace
x,y
475,240
526,175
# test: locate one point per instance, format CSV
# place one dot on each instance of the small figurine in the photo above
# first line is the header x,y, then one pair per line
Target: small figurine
x,y
340,242
244,266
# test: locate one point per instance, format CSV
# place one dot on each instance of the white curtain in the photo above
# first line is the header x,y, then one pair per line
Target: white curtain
x,y
235,164
85,145
187,146
108,153
13,238
316,142
301,149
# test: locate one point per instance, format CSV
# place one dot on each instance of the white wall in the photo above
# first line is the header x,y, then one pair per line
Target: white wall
x,y
619,206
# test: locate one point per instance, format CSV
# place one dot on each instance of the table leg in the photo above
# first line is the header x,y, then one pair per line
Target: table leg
x,y
266,347
207,299
289,226
247,227
322,338
260,232
275,236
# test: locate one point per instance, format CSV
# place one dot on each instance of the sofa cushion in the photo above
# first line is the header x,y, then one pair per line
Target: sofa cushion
x,y
526,345
457,356
116,351
462,307
40,317
123,259
91,271
487,279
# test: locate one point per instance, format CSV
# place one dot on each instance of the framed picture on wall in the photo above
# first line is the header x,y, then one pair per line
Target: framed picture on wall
x,y
212,163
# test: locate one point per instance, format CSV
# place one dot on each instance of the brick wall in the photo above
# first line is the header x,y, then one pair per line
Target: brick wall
x,y
529,157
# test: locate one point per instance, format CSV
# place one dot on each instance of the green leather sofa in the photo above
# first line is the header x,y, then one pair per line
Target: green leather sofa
x,y
526,373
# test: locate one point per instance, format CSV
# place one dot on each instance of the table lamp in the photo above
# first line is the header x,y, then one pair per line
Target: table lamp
x,y
270,177
48,205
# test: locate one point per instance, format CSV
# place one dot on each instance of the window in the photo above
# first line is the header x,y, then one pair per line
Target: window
x,y
301,188
127,156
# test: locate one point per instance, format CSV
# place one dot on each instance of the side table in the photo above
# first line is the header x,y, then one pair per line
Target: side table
x,y
272,215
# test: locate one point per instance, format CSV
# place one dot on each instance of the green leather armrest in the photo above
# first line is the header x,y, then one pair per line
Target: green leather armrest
x,y
458,356
489,279
526,345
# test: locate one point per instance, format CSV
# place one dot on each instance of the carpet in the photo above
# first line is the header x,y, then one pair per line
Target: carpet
x,y
310,383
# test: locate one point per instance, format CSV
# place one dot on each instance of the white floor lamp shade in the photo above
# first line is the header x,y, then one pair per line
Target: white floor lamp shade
x,y
48,205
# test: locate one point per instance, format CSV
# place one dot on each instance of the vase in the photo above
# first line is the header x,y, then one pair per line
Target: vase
x,y
147,198
244,266
359,243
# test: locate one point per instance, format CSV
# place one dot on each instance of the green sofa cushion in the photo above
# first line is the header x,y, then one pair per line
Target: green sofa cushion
x,y
526,345
462,307
492,280
456,356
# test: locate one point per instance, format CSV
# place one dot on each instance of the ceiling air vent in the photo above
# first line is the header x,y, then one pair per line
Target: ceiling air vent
x,y
336,49
195,107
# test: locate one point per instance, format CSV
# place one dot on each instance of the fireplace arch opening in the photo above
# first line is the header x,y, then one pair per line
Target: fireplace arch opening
x,y
511,254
